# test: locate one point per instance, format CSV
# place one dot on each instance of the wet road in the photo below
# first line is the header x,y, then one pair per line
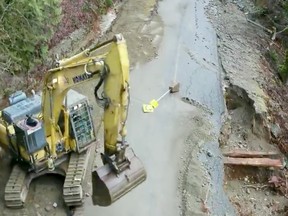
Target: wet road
x,y
188,54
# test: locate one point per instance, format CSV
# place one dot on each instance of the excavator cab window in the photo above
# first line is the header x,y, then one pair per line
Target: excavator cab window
x,y
82,126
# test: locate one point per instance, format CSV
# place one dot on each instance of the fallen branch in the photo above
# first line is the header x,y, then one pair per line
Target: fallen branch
x,y
204,207
271,32
255,186
261,162
283,30
258,25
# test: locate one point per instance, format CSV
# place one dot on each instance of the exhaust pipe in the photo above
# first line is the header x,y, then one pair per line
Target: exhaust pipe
x,y
109,186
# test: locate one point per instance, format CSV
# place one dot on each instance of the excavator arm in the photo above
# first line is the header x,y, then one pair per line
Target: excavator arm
x,y
111,67
109,64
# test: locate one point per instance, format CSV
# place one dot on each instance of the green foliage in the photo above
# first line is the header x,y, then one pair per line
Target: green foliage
x,y
285,6
272,55
283,68
260,12
101,5
26,26
109,3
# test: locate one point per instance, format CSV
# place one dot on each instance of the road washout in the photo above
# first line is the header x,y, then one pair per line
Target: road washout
x,y
247,120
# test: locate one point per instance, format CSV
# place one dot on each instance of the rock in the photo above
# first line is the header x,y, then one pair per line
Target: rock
x,y
226,77
209,154
38,214
267,193
48,208
241,7
87,194
37,205
55,205
275,130
248,191
245,135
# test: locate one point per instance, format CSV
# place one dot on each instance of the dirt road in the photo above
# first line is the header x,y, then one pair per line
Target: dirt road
x,y
178,142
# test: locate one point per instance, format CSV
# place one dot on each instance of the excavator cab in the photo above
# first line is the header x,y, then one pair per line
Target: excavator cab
x,y
30,134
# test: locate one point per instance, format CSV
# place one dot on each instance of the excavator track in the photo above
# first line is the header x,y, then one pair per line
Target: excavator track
x,y
73,186
78,211
15,190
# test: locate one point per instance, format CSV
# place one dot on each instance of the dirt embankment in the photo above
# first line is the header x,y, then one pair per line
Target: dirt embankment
x,y
250,107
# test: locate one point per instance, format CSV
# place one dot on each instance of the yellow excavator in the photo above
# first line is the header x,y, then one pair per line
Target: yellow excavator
x,y
53,132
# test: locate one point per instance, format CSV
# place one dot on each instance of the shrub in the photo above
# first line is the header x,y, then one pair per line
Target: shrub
x,y
25,29
283,68
109,3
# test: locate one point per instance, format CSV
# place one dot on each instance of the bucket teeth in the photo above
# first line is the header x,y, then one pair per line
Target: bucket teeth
x,y
15,190
109,186
73,185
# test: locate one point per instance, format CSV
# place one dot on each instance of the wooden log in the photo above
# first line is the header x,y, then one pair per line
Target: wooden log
x,y
261,162
249,154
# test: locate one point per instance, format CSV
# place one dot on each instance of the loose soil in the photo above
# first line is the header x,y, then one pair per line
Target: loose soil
x,y
249,121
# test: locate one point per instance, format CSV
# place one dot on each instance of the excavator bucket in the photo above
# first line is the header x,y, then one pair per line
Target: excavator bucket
x,y
109,186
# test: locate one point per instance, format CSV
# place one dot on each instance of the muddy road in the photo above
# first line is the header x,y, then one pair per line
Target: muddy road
x,y
178,142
